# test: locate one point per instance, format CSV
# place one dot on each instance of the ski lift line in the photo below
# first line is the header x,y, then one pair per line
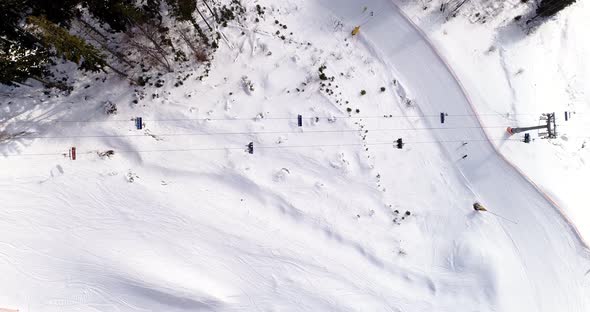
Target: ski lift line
x,y
262,147
179,150
150,135
34,154
274,118
384,116
202,149
378,143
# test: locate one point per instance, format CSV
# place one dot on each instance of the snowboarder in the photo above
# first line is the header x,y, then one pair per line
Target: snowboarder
x,y
464,143
464,156
479,207
356,30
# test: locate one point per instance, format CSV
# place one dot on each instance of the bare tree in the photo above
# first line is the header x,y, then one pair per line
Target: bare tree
x,y
198,50
150,42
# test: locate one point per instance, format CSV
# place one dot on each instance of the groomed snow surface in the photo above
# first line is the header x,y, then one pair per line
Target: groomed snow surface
x,y
513,78
325,217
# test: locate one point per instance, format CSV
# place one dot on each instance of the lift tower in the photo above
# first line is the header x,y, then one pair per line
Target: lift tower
x,y
549,124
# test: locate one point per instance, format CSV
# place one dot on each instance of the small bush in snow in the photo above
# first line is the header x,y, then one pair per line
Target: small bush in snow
x,y
260,10
110,108
247,85
322,74
106,154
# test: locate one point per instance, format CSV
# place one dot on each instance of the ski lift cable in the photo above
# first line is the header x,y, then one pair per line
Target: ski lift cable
x,y
384,116
363,130
263,147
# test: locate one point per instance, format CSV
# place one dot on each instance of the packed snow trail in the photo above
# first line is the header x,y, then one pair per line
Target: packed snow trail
x,y
550,250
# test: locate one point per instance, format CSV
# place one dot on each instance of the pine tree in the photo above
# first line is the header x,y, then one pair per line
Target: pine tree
x,y
151,10
59,12
34,32
17,63
21,54
183,9
111,12
68,46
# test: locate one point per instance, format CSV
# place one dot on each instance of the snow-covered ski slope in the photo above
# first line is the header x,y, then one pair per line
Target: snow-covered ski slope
x,y
181,218
549,246
527,73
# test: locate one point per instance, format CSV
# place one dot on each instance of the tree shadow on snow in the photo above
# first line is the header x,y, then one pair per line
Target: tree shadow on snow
x,y
29,112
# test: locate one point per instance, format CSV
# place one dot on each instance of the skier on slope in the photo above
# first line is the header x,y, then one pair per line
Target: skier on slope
x,y
479,207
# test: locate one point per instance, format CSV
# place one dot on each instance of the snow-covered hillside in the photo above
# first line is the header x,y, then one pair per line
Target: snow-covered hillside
x,y
513,78
329,216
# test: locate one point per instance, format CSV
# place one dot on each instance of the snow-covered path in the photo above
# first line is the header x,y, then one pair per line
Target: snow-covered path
x,y
551,251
